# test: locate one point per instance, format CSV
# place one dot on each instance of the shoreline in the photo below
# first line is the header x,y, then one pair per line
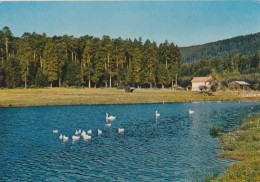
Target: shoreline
x,y
103,96
242,145
179,102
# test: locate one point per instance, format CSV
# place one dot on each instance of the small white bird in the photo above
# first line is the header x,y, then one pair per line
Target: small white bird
x,y
76,132
61,136
99,132
110,117
86,137
157,114
74,138
121,130
65,138
191,111
108,124
89,132
83,133
55,131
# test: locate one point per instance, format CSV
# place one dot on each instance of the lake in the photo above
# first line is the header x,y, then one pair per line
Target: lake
x,y
175,147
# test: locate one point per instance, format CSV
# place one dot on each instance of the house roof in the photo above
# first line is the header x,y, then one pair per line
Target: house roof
x,y
201,79
241,83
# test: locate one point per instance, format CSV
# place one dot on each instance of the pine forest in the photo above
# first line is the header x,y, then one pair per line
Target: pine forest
x,y
36,60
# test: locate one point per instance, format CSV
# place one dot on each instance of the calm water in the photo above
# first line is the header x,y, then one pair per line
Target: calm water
x,y
176,147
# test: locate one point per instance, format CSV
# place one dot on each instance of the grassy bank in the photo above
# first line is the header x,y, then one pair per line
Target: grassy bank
x,y
243,145
70,96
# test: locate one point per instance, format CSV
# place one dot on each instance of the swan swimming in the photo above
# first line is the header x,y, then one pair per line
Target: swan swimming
x,y
86,137
65,139
78,132
74,138
55,131
108,124
110,117
83,133
89,132
121,130
99,132
157,114
61,136
191,111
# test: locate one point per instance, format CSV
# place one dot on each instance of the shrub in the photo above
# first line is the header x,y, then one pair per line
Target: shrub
x,y
214,131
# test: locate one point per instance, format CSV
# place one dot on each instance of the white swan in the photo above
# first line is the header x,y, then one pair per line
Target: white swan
x,y
121,130
55,131
74,138
157,114
110,117
86,137
83,133
191,111
76,132
65,138
108,124
61,136
99,132
89,132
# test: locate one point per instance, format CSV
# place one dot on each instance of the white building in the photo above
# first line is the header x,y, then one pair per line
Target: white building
x,y
200,81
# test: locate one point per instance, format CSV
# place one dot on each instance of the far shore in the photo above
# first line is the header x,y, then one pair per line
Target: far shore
x,y
90,96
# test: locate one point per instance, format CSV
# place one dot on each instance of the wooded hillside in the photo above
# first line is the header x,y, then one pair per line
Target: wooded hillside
x,y
246,45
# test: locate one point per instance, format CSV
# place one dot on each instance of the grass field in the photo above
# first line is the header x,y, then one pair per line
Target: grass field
x,y
243,145
71,96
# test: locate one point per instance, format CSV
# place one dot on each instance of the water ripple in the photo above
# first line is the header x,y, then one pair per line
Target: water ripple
x,y
175,147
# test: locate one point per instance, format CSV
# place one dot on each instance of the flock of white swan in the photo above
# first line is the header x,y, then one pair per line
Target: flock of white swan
x,y
86,135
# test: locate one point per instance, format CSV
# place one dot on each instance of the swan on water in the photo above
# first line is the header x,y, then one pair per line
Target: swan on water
x,y
191,111
108,124
74,138
65,138
110,117
89,132
83,133
76,132
55,131
86,137
61,136
99,132
121,130
157,114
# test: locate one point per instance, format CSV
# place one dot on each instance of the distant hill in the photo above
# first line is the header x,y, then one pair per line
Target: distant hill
x,y
245,44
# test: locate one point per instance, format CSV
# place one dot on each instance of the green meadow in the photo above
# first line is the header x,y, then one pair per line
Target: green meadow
x,y
87,96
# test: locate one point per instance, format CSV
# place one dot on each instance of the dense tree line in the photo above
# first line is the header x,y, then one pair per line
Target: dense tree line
x,y
246,45
36,60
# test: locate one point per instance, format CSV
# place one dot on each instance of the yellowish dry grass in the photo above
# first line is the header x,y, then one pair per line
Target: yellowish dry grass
x,y
71,96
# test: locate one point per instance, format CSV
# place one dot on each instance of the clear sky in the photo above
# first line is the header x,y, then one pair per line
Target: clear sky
x,y
184,23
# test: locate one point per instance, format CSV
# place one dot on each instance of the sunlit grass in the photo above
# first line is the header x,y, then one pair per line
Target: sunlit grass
x,y
243,145
71,96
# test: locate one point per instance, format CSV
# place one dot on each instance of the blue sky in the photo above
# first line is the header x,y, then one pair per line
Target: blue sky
x,y
184,23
